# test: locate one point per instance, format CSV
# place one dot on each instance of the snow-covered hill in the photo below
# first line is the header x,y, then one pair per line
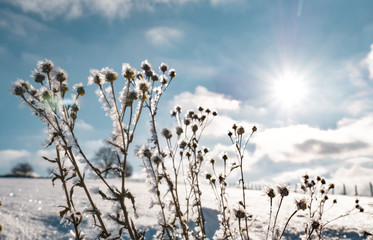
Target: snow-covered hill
x,y
29,211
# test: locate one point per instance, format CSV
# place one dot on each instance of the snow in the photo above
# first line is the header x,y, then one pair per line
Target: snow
x,y
29,211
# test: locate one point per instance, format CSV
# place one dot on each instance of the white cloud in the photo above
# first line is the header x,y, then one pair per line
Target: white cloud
x,y
3,50
92,146
175,1
20,25
72,9
30,58
9,158
358,106
163,36
369,62
303,143
293,176
203,97
356,175
223,2
82,125
10,154
283,154
110,9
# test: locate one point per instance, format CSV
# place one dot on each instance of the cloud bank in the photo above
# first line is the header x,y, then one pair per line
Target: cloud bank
x,y
110,9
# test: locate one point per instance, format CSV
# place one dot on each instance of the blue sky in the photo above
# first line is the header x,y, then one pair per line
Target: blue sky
x,y
300,70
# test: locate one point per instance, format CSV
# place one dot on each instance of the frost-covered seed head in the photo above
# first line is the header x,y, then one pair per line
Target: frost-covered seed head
x,y
221,178
155,77
301,204
128,72
200,157
315,224
240,212
64,88
194,128
178,109
110,74
163,67
205,150
96,77
208,176
183,144
139,76
132,95
224,156
323,181
212,161
145,65
75,107
166,133
190,114
172,73
283,191
142,85
186,121
149,73
173,113
33,91
230,134
331,186
46,66
163,80
60,75
240,130
19,87
270,192
144,152
37,76
156,159
179,131
254,129
45,94
79,88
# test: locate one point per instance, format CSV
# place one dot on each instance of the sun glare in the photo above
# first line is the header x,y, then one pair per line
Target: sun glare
x,y
289,89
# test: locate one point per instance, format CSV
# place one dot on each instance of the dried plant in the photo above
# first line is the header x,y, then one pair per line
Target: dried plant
x,y
172,158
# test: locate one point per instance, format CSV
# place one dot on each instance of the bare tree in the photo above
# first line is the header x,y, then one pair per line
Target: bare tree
x,y
23,169
107,161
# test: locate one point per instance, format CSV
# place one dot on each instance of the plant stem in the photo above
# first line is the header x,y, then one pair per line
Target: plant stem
x,y
278,210
287,222
270,216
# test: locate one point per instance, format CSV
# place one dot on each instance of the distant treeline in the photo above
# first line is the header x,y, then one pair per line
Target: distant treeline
x,y
341,189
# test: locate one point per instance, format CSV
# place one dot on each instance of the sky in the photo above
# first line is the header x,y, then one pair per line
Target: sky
x,y
301,71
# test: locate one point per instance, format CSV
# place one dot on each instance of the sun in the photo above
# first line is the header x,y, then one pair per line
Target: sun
x,y
289,89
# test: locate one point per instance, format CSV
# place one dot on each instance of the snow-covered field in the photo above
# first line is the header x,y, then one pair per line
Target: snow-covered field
x,y
29,211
